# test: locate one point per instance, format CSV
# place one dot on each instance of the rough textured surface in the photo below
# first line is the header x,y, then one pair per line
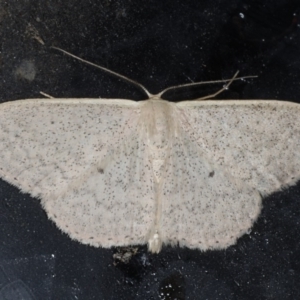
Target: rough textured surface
x,y
118,172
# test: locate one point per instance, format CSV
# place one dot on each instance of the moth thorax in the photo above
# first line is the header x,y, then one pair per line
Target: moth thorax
x,y
160,123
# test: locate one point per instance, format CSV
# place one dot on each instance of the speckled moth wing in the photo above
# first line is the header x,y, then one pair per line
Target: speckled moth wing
x,y
257,142
203,205
226,155
83,159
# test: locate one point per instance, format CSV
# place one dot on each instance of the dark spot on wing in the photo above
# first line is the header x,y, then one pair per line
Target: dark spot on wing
x,y
211,174
100,170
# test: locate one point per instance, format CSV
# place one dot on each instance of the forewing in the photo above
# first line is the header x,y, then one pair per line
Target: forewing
x,y
257,142
87,163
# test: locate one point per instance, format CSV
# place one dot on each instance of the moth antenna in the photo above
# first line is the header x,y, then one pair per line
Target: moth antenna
x,y
207,82
106,70
225,87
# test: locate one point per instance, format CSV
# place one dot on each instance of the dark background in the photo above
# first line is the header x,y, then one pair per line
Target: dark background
x,y
159,44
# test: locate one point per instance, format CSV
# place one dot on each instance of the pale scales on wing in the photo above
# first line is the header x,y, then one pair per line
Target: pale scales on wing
x,y
115,172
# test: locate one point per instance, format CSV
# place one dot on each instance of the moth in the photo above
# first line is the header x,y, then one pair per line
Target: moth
x,y
115,172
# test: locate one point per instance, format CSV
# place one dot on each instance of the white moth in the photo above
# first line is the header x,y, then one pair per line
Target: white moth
x,y
115,172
